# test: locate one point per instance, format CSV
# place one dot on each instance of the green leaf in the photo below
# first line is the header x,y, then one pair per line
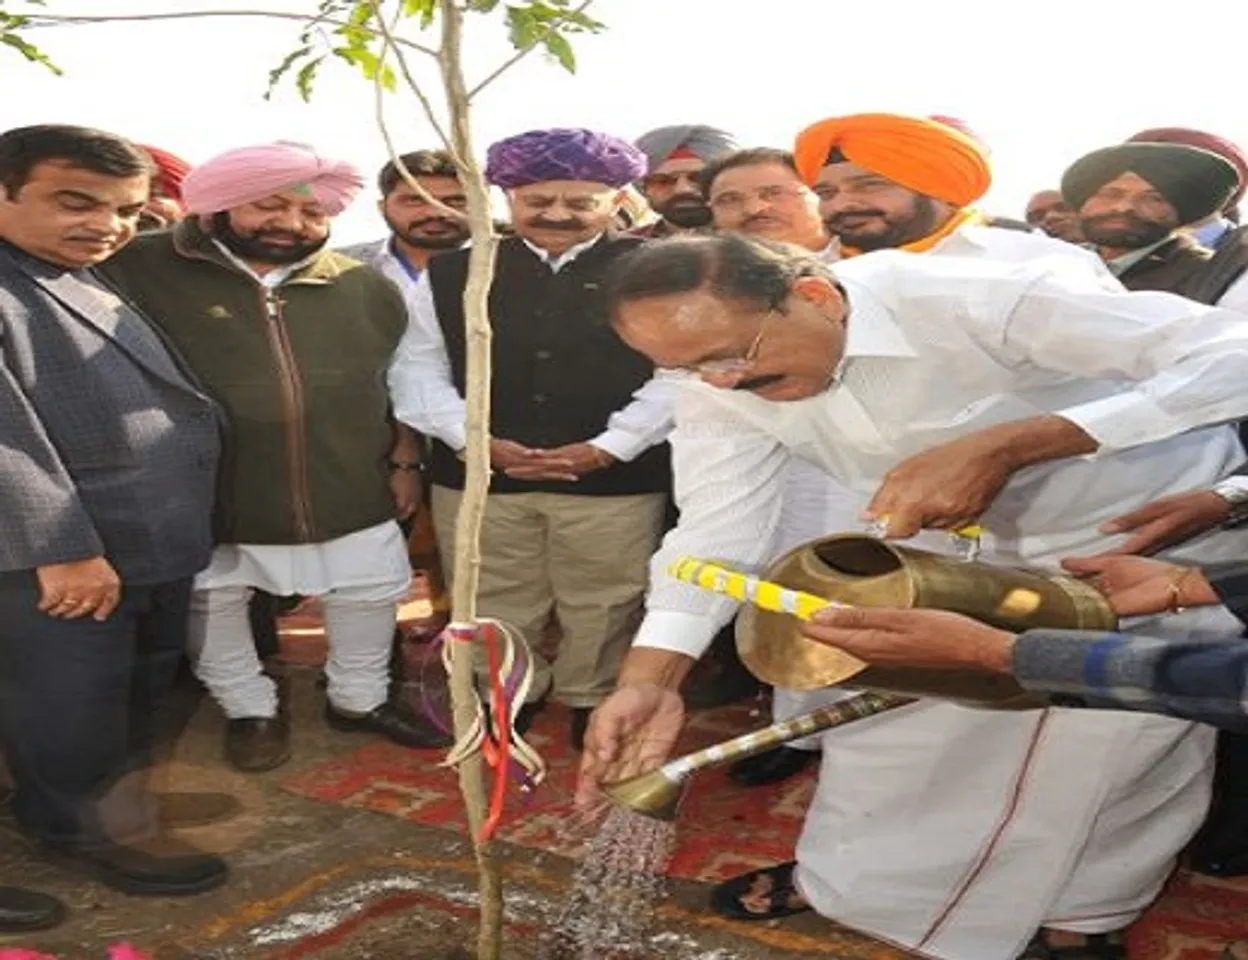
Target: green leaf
x,y
558,47
29,51
522,27
482,6
425,9
278,73
305,79
369,64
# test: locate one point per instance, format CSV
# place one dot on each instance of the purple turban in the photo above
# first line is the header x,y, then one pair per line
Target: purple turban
x,y
249,174
563,154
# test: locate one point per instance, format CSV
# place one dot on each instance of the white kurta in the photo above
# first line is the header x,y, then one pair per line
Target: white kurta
x,y
945,829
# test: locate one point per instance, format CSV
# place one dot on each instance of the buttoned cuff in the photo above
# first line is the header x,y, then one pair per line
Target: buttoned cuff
x,y
621,444
455,437
676,632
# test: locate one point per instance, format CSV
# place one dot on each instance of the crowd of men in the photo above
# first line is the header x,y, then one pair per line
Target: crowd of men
x,y
205,406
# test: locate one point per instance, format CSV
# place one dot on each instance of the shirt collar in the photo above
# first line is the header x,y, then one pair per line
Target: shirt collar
x,y
557,263
1212,232
870,328
274,277
1120,265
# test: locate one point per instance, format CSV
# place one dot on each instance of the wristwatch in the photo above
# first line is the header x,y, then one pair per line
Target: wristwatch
x,y
1234,490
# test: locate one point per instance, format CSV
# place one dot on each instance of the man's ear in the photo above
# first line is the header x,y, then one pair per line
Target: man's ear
x,y
818,290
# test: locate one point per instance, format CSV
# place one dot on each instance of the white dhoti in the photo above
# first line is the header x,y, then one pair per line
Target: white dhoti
x,y
957,832
360,579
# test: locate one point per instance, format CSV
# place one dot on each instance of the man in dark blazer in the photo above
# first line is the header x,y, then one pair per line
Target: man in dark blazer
x,y
106,488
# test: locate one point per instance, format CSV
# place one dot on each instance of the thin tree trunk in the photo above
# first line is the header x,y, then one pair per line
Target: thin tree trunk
x,y
477,482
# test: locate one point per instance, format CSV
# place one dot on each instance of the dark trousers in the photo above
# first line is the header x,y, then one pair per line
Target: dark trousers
x,y
82,703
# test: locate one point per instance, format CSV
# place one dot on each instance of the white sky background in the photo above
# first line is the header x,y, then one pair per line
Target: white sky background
x,y
1043,83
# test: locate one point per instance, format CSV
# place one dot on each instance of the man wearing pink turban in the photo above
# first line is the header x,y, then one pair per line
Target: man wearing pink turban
x,y
294,340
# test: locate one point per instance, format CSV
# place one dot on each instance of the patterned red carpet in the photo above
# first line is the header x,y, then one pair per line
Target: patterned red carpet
x,y
723,830
762,824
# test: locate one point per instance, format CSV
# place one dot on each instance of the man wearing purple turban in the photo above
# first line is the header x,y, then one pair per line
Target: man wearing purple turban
x,y
578,424
294,340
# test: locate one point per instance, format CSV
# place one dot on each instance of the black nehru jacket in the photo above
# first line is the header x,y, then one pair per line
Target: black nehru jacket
x,y
559,370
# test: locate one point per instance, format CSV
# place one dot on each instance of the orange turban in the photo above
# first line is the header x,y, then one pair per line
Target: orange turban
x,y
920,154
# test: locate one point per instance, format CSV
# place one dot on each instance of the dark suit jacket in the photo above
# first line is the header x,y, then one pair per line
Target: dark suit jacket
x,y
106,446
1173,267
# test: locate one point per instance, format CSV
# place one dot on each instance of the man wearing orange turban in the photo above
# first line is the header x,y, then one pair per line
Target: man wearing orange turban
x,y
888,181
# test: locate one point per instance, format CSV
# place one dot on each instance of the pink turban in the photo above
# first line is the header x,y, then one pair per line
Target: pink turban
x,y
249,174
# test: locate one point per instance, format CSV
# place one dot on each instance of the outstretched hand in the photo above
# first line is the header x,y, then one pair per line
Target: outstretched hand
x,y
632,732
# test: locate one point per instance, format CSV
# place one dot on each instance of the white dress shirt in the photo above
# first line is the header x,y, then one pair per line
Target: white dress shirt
x,y
942,346
425,396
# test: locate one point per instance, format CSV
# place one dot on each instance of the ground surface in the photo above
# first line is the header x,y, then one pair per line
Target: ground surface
x,y
312,879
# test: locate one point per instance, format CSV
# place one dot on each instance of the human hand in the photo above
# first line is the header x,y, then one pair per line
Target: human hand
x,y
632,732
1137,586
569,462
71,590
405,486
507,454
935,639
1167,521
946,487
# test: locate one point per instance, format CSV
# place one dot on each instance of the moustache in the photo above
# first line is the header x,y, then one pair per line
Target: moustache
x,y
280,235
444,222
567,225
686,200
757,219
757,383
1129,218
840,218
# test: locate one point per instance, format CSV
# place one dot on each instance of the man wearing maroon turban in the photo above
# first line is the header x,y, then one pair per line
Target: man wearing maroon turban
x,y
294,340
578,425
1215,229
165,206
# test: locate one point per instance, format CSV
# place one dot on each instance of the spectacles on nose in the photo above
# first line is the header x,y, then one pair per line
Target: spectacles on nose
x,y
728,367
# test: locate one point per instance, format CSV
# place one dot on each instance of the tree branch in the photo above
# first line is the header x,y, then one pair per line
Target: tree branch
x,y
390,45
520,54
379,108
37,20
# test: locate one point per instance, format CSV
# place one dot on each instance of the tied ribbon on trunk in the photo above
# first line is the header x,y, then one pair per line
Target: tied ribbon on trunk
x,y
510,666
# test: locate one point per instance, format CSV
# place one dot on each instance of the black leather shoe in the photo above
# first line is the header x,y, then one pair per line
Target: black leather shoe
x,y
772,766
393,723
25,911
580,722
256,744
1221,848
161,867
527,714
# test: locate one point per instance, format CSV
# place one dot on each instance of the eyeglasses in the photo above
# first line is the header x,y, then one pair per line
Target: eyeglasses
x,y
729,367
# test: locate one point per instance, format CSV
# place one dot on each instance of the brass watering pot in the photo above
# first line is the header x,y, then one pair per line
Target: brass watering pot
x,y
863,571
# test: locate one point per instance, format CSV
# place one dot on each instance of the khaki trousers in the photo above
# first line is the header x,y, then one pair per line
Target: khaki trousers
x,y
583,559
